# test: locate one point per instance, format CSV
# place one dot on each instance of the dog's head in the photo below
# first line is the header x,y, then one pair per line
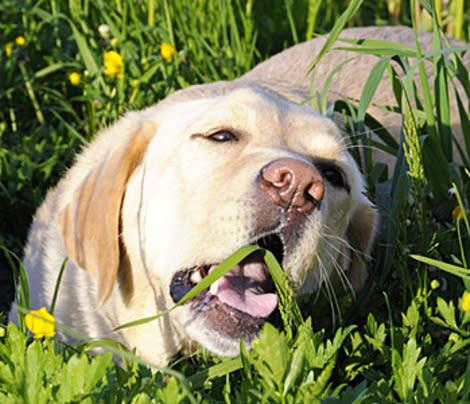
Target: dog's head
x,y
200,178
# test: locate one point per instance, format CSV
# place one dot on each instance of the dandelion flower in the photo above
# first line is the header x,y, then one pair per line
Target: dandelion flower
x,y
466,301
20,41
40,323
9,49
167,51
75,78
113,63
457,213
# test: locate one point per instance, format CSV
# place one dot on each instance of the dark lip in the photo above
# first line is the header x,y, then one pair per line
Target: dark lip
x,y
219,315
228,320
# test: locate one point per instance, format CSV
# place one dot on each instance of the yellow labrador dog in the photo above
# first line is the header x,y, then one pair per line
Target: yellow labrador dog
x,y
157,200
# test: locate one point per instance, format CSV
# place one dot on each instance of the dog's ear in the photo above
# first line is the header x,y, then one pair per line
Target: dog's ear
x,y
90,223
360,233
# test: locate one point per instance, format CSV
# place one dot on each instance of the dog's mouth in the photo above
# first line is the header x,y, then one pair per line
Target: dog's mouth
x,y
239,302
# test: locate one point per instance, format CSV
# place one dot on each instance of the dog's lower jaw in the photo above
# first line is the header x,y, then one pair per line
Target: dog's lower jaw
x,y
213,340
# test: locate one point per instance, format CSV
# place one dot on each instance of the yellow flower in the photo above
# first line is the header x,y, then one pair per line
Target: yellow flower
x,y
2,332
9,48
20,41
435,284
40,323
457,213
75,78
466,301
113,63
167,51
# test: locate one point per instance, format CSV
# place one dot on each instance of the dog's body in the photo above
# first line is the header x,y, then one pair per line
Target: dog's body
x,y
162,196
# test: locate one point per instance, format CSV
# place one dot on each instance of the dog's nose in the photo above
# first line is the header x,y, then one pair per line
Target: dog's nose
x,y
292,183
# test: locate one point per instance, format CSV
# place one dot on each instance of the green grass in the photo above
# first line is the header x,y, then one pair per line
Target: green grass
x,y
401,340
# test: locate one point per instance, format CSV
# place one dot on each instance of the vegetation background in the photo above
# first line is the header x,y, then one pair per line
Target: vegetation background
x,y
405,338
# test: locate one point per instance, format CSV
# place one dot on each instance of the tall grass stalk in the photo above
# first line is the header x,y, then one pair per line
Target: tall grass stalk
x,y
413,155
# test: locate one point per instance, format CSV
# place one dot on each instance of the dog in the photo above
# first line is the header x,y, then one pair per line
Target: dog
x,y
158,199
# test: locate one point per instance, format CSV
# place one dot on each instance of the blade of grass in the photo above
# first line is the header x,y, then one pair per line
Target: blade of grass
x,y
71,129
326,86
290,18
370,87
57,284
452,269
427,97
21,285
341,22
460,201
442,95
377,47
221,269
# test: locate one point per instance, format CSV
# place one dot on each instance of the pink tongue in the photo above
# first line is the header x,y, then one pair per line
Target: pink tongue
x,y
243,291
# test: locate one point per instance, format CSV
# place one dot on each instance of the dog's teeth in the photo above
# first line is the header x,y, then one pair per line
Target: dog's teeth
x,y
196,276
214,289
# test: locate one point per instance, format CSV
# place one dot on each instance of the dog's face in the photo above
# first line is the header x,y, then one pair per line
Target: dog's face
x,y
201,179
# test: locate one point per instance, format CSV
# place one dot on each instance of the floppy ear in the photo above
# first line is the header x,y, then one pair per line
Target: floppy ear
x,y
360,233
90,223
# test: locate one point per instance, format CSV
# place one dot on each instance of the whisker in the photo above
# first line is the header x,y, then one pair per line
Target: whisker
x,y
330,294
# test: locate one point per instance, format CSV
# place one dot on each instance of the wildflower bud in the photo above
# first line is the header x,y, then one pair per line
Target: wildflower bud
x,y
457,213
454,337
103,29
2,332
114,42
466,301
135,83
435,284
98,104
9,49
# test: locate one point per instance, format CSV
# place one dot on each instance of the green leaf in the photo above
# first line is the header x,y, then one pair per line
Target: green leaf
x,y
296,365
447,312
273,352
407,369
219,370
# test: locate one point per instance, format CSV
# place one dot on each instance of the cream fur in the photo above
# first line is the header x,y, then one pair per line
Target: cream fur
x,y
183,200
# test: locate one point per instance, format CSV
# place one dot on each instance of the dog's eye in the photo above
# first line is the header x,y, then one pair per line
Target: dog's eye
x,y
223,136
334,176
